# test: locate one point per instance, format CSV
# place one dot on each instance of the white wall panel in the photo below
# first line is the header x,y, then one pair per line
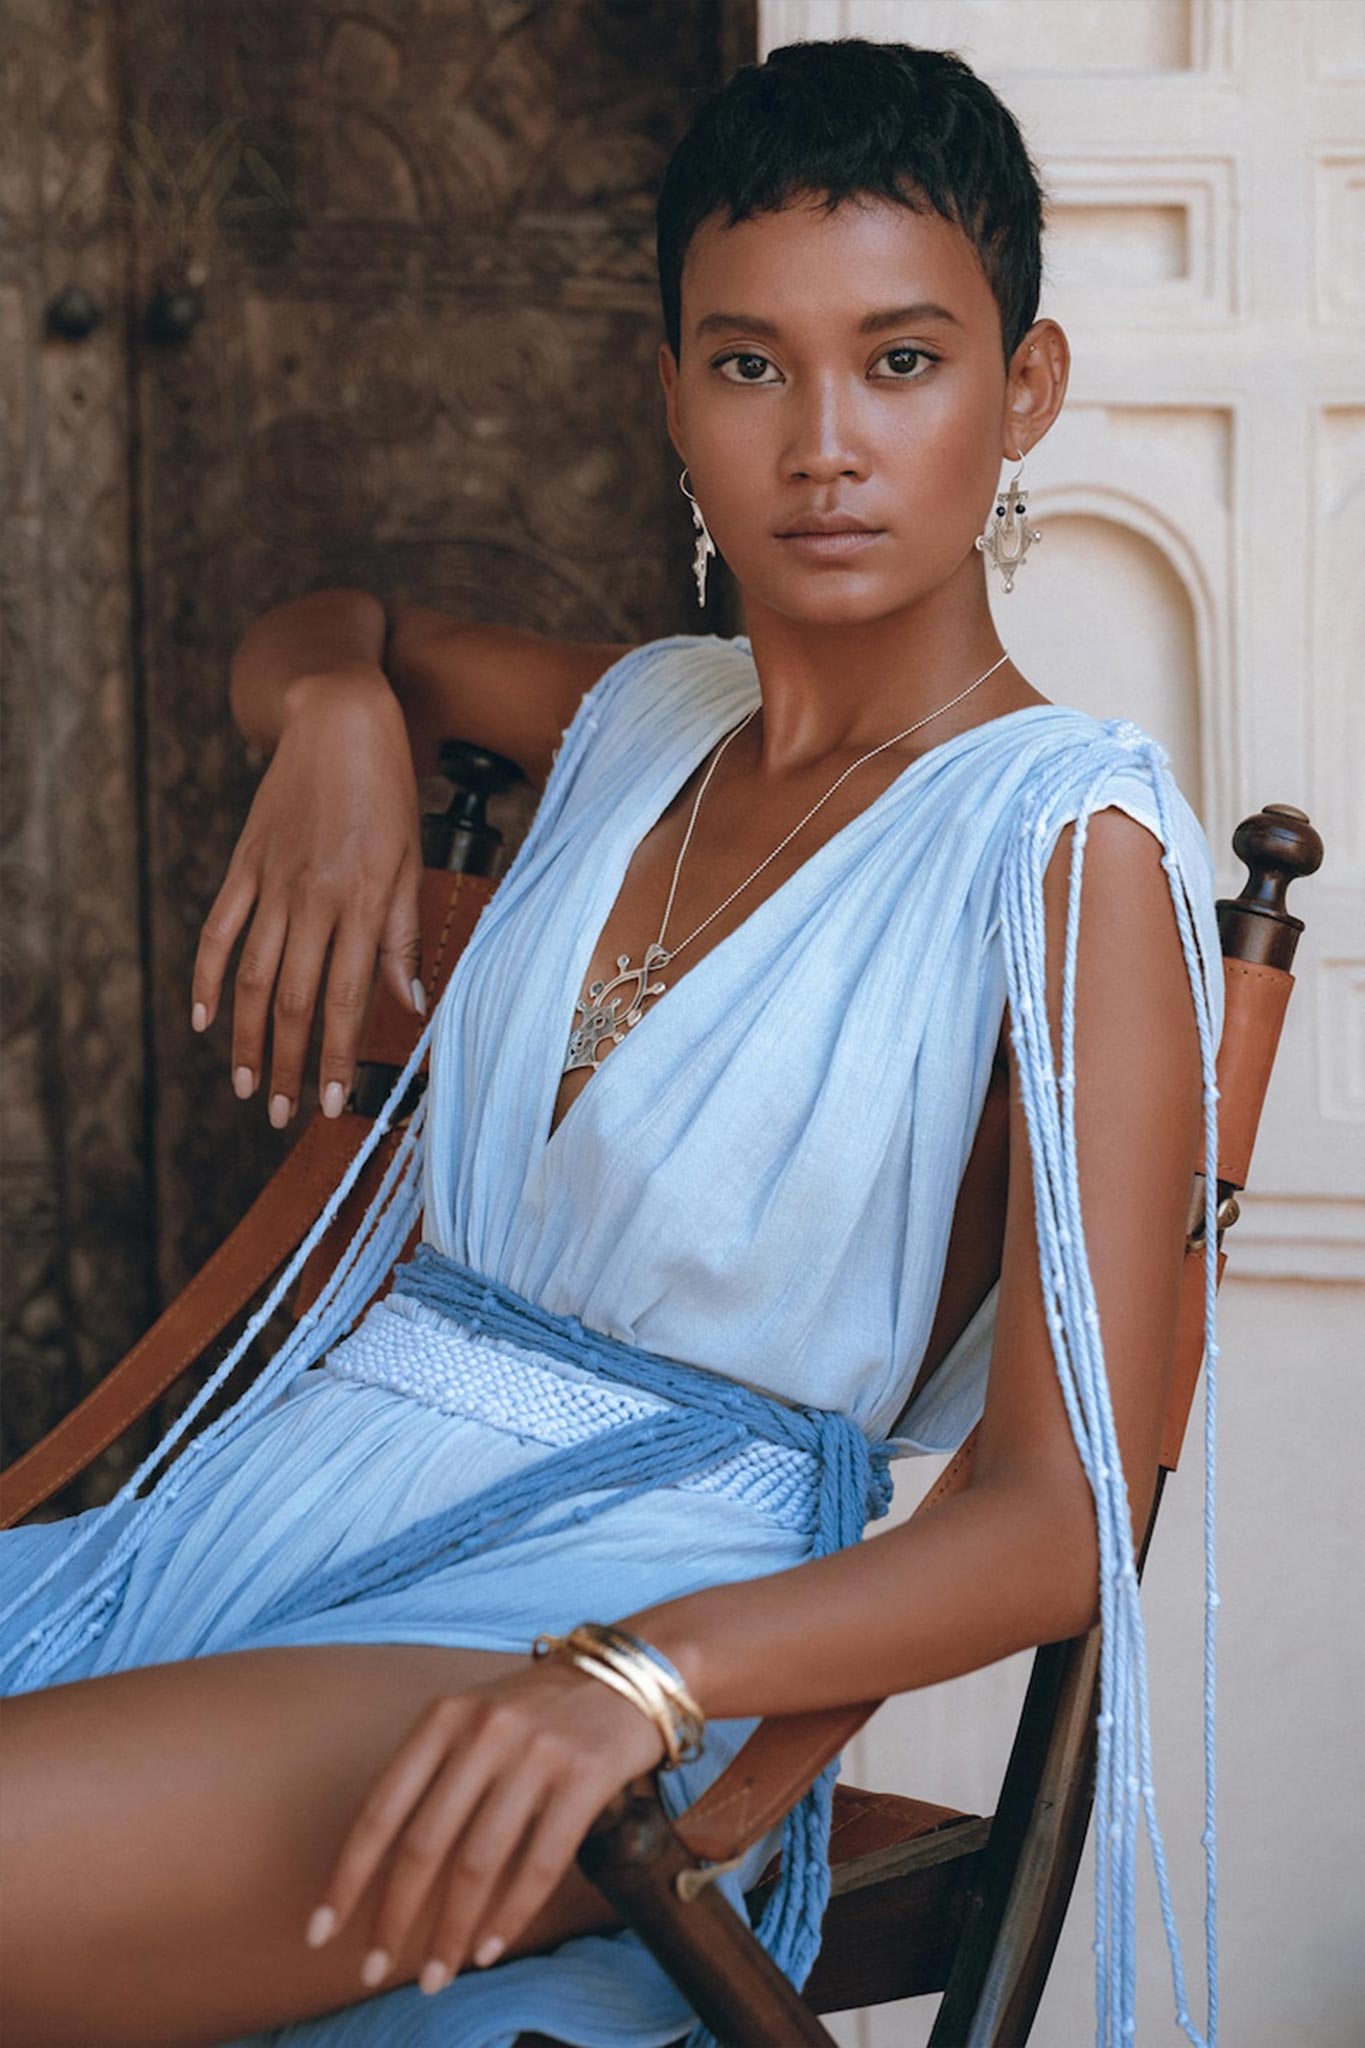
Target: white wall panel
x,y
1203,502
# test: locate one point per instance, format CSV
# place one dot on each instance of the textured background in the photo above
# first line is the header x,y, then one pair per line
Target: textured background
x,y
422,232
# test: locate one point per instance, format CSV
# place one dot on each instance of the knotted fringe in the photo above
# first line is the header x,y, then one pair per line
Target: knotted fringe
x,y
1124,1761
82,1616
708,1418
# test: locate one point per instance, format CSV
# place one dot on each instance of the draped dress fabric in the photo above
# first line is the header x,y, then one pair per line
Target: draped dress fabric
x,y
759,1180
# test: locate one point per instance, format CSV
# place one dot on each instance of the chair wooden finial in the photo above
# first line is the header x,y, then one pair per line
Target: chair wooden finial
x,y
1278,845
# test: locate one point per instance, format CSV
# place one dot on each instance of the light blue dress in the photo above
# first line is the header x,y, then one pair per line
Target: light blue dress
x,y
760,1180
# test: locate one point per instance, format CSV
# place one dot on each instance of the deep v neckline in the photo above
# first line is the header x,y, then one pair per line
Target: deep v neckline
x,y
616,871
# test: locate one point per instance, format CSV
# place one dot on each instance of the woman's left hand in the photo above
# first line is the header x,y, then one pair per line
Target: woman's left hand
x,y
488,1801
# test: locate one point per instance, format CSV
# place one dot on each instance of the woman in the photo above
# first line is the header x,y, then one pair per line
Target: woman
x,y
644,1328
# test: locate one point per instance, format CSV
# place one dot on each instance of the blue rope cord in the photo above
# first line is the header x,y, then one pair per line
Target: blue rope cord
x,y
1124,1767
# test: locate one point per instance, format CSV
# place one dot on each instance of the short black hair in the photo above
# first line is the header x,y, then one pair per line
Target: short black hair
x,y
852,117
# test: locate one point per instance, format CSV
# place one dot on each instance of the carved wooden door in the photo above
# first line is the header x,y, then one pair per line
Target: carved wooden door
x,y
290,297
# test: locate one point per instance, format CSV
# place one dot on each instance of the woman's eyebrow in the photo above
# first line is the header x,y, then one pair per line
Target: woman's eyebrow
x,y
871,323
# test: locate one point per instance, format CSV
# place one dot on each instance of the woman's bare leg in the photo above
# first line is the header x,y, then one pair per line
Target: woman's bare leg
x,y
165,1833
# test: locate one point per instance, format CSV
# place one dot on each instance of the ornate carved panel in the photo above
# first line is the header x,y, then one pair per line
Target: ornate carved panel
x,y
391,321
78,1200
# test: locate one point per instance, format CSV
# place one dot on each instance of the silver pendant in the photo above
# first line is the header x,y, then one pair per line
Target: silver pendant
x,y
598,1017
705,546
1008,535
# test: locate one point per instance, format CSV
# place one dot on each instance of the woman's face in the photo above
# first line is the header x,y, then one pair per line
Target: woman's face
x,y
845,364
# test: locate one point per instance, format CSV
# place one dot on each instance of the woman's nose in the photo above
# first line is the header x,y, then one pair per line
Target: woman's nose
x,y
824,443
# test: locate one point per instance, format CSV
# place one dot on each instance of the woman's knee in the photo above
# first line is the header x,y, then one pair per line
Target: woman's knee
x,y
164,1833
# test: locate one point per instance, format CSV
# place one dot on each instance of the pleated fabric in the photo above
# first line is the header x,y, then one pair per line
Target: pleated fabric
x,y
759,1182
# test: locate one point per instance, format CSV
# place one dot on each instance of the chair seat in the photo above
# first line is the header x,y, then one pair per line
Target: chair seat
x,y
901,1876
864,1823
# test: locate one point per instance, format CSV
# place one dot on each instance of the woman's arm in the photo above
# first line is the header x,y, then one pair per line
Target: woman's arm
x,y
496,686
325,635
351,702
1012,1561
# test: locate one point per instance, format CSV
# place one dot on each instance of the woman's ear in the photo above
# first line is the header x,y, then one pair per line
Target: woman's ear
x,y
668,377
1035,387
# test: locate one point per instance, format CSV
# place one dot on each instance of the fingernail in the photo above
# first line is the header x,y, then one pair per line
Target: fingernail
x,y
279,1111
333,1095
488,1951
243,1081
321,1927
435,1976
419,998
375,1966
199,1017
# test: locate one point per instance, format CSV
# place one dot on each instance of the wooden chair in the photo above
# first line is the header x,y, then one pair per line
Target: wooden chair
x,y
925,1898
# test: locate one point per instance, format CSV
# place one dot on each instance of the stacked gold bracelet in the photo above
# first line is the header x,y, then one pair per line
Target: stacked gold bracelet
x,y
641,1674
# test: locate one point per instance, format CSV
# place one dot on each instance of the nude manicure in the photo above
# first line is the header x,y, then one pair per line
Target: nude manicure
x,y
375,1966
322,1926
279,1111
243,1081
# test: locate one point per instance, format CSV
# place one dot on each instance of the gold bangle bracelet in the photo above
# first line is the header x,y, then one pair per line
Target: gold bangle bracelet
x,y
686,1718
667,1671
636,1658
597,1669
625,1663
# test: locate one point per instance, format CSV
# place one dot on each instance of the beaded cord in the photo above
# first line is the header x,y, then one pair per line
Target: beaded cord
x,y
1124,1758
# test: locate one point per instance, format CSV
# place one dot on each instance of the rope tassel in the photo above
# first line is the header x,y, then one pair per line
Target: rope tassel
x,y
1124,1760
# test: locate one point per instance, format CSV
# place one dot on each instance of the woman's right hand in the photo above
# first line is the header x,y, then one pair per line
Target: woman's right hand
x,y
330,854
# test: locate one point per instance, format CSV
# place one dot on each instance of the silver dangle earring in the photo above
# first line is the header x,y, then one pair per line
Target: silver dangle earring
x,y
705,545
1008,535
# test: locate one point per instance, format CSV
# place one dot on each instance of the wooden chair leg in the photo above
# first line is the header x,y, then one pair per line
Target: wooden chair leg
x,y
635,1858
1019,1897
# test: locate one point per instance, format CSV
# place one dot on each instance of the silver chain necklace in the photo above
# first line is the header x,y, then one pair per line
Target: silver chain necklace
x,y
597,1015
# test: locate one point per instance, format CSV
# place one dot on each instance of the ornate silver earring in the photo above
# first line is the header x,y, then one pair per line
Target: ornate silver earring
x,y
705,545
1008,535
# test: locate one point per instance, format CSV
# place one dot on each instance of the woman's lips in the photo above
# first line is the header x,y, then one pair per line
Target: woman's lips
x,y
834,547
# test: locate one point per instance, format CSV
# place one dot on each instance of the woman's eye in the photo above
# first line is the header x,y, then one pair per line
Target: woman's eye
x,y
747,359
748,367
902,359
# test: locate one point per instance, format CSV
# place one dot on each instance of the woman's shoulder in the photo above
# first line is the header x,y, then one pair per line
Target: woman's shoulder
x,y
659,693
1086,765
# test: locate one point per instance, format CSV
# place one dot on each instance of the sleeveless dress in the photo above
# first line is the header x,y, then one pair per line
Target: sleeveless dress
x,y
759,1181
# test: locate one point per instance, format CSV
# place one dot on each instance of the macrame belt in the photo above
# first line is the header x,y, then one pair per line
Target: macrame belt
x,y
617,1421
410,1348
